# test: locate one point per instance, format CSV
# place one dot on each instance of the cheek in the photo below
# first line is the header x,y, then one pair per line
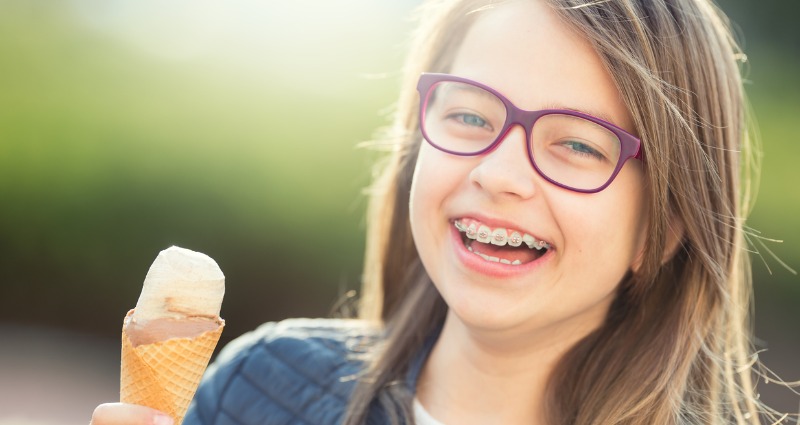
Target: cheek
x,y
436,177
420,191
426,194
423,199
607,230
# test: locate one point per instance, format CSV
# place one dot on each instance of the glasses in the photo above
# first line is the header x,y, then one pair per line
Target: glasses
x,y
570,149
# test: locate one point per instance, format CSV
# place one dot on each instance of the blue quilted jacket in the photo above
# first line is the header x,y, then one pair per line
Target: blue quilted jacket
x,y
298,371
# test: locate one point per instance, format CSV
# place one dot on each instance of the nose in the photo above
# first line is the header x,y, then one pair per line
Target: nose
x,y
506,171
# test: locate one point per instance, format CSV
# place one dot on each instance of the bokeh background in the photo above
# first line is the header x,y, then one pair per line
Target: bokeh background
x,y
231,128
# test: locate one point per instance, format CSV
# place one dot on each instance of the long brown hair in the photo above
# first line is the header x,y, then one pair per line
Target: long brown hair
x,y
675,346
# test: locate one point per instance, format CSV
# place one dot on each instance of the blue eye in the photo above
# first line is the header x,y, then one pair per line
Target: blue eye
x,y
471,120
583,149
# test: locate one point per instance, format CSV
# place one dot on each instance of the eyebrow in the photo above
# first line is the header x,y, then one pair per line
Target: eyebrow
x,y
471,89
552,105
596,114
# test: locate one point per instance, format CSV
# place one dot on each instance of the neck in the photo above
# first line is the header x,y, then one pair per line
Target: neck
x,y
478,377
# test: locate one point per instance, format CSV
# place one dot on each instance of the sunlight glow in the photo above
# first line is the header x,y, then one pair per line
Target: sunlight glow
x,y
292,40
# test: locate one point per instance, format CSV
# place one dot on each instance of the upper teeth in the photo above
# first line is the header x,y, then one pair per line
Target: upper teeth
x,y
499,236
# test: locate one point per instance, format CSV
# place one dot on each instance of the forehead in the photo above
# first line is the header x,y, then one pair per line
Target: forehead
x,y
523,50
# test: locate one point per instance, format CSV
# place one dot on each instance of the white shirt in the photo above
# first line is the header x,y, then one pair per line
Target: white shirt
x,y
421,416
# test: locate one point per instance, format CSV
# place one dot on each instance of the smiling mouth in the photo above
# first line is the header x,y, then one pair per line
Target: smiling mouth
x,y
500,245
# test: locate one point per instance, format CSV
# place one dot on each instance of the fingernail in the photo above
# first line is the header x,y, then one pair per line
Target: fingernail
x,y
162,420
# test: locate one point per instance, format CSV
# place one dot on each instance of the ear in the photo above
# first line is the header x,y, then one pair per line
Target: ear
x,y
675,233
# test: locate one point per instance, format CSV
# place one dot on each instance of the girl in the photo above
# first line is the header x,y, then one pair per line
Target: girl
x,y
556,238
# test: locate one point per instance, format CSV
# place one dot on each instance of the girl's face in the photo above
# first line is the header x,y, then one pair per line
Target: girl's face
x,y
523,51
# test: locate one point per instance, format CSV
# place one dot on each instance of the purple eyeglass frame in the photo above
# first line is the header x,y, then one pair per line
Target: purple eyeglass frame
x,y
629,144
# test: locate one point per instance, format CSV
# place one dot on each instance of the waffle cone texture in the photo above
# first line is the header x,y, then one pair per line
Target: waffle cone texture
x,y
164,375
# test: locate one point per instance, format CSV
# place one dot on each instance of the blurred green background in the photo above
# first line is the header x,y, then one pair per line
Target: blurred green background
x,y
231,128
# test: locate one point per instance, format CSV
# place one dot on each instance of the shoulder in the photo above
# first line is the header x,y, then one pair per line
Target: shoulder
x,y
294,371
314,340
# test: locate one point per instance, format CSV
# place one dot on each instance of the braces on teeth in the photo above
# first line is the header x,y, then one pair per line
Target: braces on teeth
x,y
500,236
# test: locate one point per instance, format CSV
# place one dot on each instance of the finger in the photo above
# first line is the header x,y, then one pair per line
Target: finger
x,y
128,414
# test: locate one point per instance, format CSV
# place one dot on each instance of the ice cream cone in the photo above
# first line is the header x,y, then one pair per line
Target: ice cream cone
x,y
164,375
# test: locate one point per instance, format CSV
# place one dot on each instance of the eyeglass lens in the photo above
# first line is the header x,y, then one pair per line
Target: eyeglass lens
x,y
573,151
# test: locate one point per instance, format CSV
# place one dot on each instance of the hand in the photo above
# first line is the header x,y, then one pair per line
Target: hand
x,y
128,414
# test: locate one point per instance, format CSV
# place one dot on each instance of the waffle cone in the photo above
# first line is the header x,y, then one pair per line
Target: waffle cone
x,y
164,375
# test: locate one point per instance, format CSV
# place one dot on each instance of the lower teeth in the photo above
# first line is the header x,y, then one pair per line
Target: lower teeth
x,y
494,259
